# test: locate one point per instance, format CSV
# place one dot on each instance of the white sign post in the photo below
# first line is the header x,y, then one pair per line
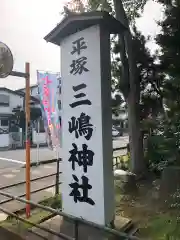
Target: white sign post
x,y
87,172
87,158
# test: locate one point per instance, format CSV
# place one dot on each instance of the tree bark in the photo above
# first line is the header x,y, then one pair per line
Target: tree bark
x,y
130,76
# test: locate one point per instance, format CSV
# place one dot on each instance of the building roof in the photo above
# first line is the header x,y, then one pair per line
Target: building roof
x,y
19,93
21,89
11,91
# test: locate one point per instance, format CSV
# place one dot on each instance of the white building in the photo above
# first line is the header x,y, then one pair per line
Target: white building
x,y
10,100
33,90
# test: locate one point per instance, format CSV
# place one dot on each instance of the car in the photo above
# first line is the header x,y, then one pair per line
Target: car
x,y
119,129
115,133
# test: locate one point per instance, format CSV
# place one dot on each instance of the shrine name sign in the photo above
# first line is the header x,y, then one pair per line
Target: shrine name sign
x,y
87,175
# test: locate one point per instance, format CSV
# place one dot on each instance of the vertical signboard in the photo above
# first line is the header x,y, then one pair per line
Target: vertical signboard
x,y
48,85
87,177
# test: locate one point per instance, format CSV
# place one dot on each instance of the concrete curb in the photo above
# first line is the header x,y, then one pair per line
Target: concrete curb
x,y
22,147
34,164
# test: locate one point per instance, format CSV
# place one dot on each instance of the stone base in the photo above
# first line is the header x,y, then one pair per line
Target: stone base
x,y
65,226
84,232
90,233
128,181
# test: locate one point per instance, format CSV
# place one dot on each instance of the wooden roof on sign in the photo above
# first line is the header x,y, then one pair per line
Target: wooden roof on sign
x,y
79,21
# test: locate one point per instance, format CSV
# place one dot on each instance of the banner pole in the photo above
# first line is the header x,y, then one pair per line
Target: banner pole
x,y
27,67
38,138
57,172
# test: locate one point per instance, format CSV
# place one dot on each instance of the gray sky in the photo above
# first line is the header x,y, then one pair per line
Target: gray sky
x,y
24,23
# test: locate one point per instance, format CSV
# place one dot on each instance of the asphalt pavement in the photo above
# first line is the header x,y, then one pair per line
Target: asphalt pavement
x,y
16,158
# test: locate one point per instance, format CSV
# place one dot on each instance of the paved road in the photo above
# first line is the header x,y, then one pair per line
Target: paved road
x,y
16,158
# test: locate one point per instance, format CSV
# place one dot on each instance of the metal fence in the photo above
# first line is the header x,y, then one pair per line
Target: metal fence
x,y
76,221
7,187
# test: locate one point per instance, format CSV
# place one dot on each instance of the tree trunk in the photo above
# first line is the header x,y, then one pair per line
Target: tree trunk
x,y
130,76
137,163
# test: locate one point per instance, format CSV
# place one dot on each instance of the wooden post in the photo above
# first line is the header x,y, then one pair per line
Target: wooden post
x,y
27,138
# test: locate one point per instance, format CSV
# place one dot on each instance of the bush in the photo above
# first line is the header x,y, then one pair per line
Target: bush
x,y
161,152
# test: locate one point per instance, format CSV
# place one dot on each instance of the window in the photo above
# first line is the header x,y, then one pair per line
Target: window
x,y
4,122
4,100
